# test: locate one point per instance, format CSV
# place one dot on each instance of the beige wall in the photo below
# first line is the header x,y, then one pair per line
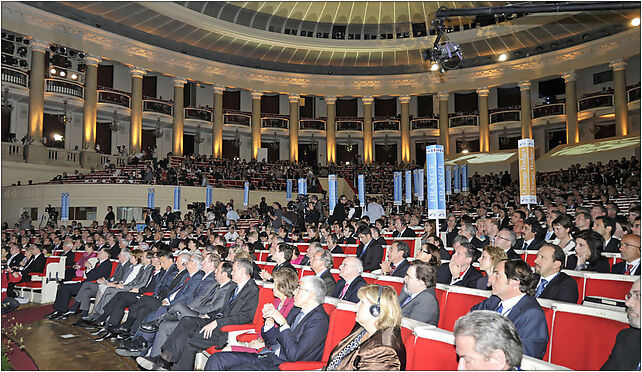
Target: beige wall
x,y
12,172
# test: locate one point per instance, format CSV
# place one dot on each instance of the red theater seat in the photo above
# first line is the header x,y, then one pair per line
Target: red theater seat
x,y
458,303
434,350
613,286
393,281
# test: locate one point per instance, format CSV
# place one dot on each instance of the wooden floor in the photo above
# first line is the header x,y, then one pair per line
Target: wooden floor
x,y
50,351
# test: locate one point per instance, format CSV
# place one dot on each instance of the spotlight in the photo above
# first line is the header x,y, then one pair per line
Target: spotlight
x,y
635,22
434,67
23,63
503,57
52,71
22,51
74,76
58,137
72,53
53,48
81,55
62,73
63,50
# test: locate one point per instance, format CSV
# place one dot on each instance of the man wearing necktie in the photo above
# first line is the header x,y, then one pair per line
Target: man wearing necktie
x,y
369,252
625,354
299,337
351,280
552,283
630,251
396,264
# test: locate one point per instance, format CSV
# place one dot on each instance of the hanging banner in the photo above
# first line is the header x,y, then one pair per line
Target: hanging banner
x,y
332,191
177,198
449,181
398,188
288,190
362,190
436,181
151,196
64,206
464,178
456,180
208,196
408,175
246,193
303,186
420,185
415,181
527,187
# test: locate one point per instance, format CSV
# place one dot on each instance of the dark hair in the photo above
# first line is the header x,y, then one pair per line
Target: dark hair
x,y
365,230
536,228
624,223
402,246
435,256
594,241
608,222
471,251
425,272
222,250
227,268
166,254
564,221
287,250
437,240
521,213
519,270
558,253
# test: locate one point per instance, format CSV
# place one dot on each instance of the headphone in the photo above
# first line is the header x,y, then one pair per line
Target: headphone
x,y
375,310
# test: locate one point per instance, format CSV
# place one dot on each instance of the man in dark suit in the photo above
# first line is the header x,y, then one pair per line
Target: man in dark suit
x,y
36,264
282,257
313,249
197,333
339,212
625,355
299,337
551,282
322,263
630,251
402,230
369,252
397,263
513,288
532,235
505,239
459,270
418,300
347,287
605,226
15,257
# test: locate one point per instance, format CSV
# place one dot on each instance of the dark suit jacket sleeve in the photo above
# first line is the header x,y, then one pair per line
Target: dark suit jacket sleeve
x,y
625,354
443,274
189,289
243,308
330,284
101,271
423,307
37,266
353,289
306,342
490,303
562,288
400,271
409,233
532,329
69,262
373,257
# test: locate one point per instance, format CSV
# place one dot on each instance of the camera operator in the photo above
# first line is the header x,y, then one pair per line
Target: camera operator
x,y
312,214
276,215
231,214
25,221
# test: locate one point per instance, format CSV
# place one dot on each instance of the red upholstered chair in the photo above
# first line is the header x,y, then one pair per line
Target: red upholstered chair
x,y
613,286
530,257
337,259
408,328
335,274
434,350
458,303
393,281
350,249
582,336
370,278
547,306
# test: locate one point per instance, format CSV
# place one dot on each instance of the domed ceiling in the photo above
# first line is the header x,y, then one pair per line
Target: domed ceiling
x,y
341,38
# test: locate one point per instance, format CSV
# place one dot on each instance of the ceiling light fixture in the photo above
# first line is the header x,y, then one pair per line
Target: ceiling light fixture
x,y
635,22
434,67
52,71
503,57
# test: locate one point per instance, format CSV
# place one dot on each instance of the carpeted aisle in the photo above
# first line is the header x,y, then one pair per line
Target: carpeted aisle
x,y
20,359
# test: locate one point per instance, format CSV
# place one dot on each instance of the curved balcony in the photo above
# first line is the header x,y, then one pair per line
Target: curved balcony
x,y
463,121
311,124
505,116
424,123
157,106
64,87
552,109
274,122
114,98
632,94
353,125
602,100
194,113
18,77
379,125
237,119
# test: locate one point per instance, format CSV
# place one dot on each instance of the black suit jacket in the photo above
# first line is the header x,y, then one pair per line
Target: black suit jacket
x,y
400,271
100,271
372,257
561,288
338,214
512,255
620,268
468,280
35,265
625,354
407,233
477,243
600,266
535,245
16,260
69,262
613,246
238,310
451,236
351,293
330,283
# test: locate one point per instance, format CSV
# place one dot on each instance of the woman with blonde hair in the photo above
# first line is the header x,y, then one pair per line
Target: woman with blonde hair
x,y
375,344
491,255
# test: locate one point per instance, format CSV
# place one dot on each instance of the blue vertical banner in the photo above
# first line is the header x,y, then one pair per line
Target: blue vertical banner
x,y
288,190
177,198
415,181
64,206
464,178
246,193
208,195
436,181
362,190
332,191
456,180
449,180
303,186
398,193
151,196
408,175
420,185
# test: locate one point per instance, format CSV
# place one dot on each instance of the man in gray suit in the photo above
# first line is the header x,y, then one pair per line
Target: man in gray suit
x,y
418,300
321,263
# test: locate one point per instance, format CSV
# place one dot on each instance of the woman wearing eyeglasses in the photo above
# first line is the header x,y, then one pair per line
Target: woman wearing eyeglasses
x,y
375,343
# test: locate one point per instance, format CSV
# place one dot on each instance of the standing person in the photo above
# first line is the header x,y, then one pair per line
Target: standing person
x,y
110,217
339,212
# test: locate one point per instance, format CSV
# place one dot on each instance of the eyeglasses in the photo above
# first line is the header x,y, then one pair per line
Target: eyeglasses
x,y
635,295
501,237
630,245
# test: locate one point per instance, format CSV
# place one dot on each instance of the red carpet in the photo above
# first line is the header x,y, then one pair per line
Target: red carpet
x,y
19,359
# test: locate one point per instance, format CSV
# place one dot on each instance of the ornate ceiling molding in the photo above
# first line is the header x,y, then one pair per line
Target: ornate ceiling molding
x,y
19,17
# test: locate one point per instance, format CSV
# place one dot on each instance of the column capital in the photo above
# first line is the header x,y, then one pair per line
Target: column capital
x,y
483,91
218,89
39,45
256,94
569,76
404,99
330,100
618,64
443,96
292,98
91,60
137,72
178,82
524,85
367,100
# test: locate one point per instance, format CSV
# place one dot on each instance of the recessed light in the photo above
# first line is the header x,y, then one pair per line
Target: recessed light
x,y
52,71
635,21
503,57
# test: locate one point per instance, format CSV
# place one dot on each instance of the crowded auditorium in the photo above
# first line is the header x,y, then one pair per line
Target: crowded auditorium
x,y
320,185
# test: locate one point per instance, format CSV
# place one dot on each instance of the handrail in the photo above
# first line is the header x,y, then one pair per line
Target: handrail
x,y
503,116
549,110
601,100
114,98
633,94
64,87
464,120
354,125
14,76
197,113
237,118
312,124
379,125
274,122
157,106
424,123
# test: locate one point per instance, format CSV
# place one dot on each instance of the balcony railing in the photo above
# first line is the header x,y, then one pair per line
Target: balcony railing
x,y
12,151
63,156
632,94
385,125
237,119
603,100
311,124
274,122
17,77
157,106
424,123
349,125
504,116
64,87
114,98
198,114
549,110
463,121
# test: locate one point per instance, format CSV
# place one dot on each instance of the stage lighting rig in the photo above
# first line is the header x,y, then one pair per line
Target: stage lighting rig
x,y
445,54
